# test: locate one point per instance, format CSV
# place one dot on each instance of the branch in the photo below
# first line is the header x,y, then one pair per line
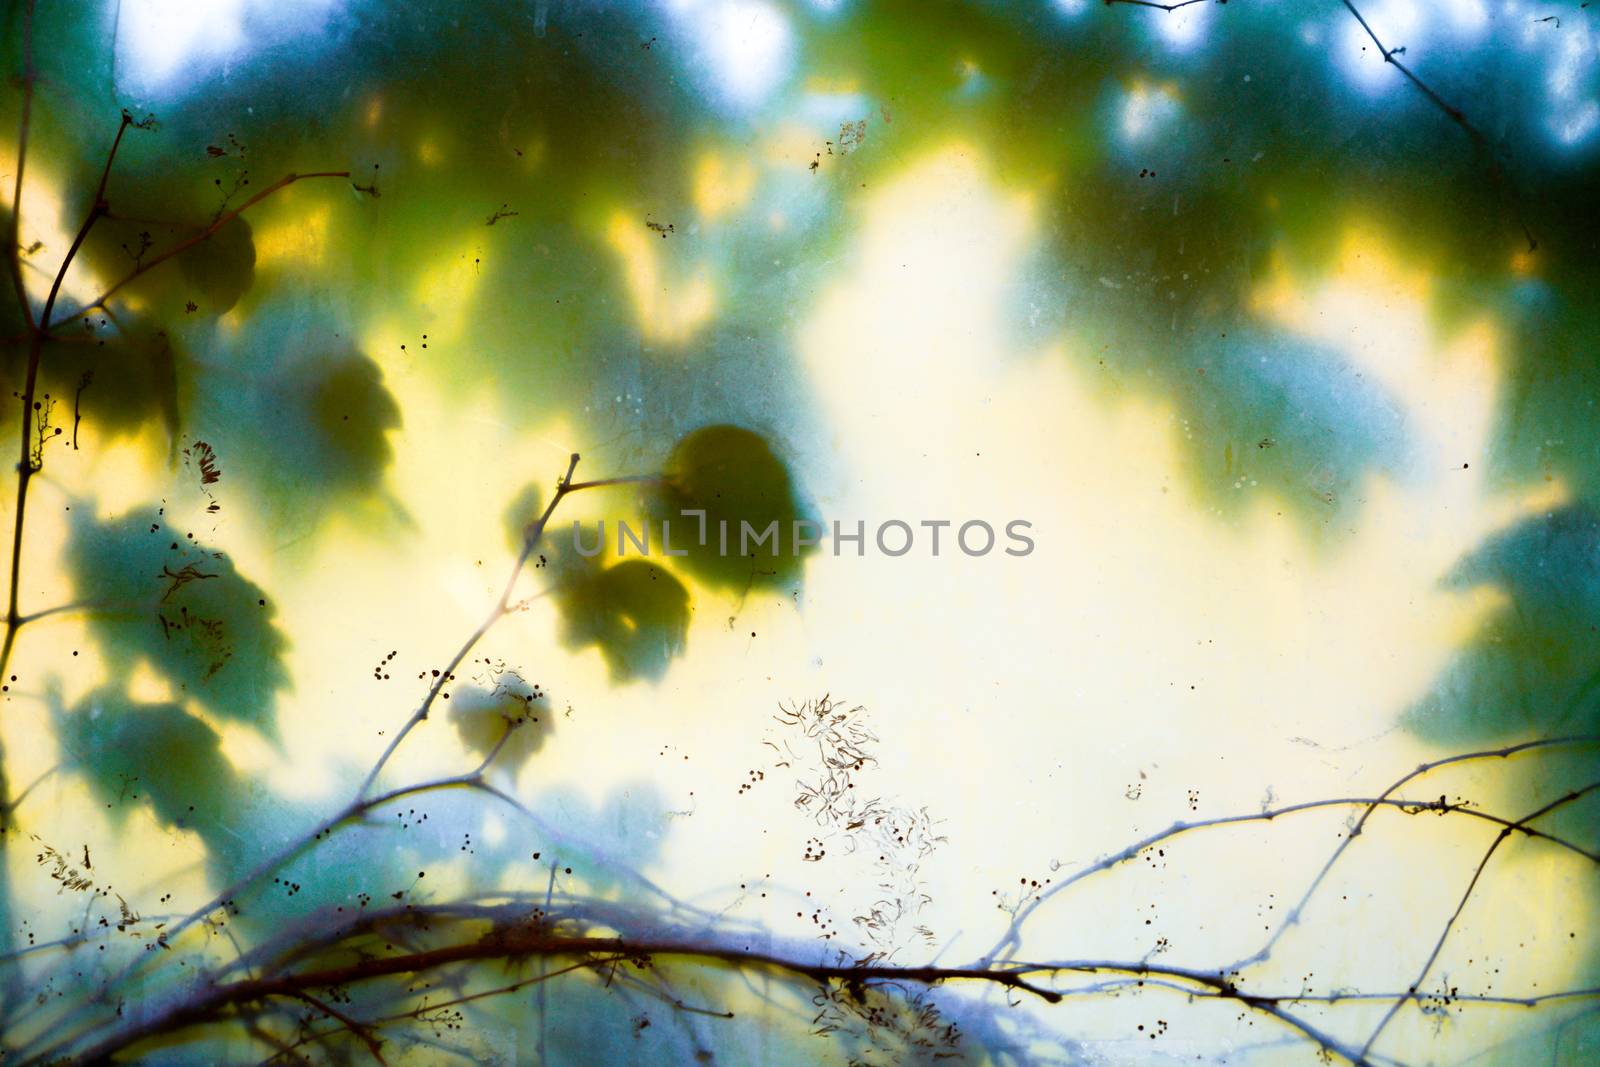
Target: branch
x,y
204,235
25,464
13,238
1011,939
1161,7
362,1032
530,538
513,943
522,941
1293,917
1472,885
1456,115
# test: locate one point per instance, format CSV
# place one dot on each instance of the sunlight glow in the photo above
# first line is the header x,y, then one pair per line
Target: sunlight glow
x,y
166,46
1147,110
746,46
722,185
1397,23
667,313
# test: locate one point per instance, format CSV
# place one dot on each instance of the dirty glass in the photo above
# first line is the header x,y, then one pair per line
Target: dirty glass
x,y
800,532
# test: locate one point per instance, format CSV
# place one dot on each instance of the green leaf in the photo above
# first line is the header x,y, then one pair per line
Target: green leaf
x,y
1534,666
524,509
350,413
157,754
734,477
636,613
509,711
162,597
96,376
300,420
220,270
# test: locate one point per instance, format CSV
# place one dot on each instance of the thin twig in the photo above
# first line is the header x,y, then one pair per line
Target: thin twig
x,y
372,1043
1384,800
1455,115
13,238
530,539
206,234
1472,885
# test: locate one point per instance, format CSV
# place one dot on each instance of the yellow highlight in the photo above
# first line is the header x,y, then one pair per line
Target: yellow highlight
x,y
446,289
792,145
721,186
301,239
665,316
1374,309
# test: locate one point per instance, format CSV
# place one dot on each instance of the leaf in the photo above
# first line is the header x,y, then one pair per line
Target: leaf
x,y
350,413
524,509
636,613
162,597
1534,666
96,375
110,382
155,753
299,423
734,477
220,269
509,711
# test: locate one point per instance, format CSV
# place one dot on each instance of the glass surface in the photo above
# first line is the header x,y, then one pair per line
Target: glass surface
x,y
1095,504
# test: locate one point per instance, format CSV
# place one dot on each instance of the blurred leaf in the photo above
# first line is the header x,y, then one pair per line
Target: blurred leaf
x,y
1534,666
220,269
1278,413
113,380
350,414
483,717
95,375
156,212
1546,423
162,597
636,612
300,415
732,475
157,753
523,510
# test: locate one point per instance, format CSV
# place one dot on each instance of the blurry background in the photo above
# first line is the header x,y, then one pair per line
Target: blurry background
x,y
1292,372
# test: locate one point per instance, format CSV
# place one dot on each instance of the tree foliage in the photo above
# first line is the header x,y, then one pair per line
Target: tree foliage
x,y
248,286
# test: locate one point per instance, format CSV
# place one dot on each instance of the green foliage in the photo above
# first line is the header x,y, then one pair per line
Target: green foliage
x,y
734,477
499,139
297,414
636,613
506,720
1533,669
155,754
220,269
1548,425
159,596
115,375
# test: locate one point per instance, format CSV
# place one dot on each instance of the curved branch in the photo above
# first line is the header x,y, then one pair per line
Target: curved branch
x,y
538,940
530,538
204,235
360,1030
1472,885
1386,799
